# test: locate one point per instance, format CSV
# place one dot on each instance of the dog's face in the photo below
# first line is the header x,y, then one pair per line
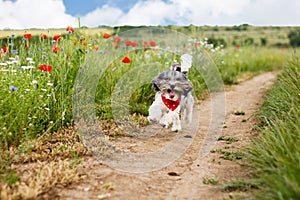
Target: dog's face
x,y
172,84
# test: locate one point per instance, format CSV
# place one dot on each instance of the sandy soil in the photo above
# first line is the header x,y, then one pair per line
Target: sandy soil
x,y
197,155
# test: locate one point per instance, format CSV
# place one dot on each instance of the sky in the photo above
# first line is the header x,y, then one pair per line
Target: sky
x,y
24,14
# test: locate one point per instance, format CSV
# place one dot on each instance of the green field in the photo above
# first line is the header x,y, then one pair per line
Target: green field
x,y
38,78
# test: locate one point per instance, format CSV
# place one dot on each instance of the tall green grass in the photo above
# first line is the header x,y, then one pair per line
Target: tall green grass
x,y
274,156
43,101
251,60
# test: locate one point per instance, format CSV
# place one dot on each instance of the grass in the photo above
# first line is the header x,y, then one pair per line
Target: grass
x,y
273,157
37,104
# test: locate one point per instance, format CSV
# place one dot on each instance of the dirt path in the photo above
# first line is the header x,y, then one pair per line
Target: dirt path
x,y
191,176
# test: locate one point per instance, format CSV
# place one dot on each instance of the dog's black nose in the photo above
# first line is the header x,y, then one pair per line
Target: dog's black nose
x,y
172,85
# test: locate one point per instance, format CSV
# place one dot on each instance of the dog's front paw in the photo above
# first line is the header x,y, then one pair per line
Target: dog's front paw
x,y
164,123
150,119
176,128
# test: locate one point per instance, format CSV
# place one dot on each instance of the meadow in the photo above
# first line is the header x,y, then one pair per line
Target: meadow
x,y
38,69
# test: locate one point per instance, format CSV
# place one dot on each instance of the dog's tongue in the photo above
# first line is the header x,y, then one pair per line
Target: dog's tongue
x,y
172,94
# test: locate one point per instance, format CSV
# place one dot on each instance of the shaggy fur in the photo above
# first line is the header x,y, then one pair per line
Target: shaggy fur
x,y
174,87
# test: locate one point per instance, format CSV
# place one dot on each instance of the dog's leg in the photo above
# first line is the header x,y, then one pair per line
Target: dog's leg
x,y
155,113
188,109
176,124
166,120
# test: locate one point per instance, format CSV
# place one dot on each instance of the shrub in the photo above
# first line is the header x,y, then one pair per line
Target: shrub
x,y
294,38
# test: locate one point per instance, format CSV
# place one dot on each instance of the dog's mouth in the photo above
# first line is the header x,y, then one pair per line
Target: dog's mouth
x,y
172,94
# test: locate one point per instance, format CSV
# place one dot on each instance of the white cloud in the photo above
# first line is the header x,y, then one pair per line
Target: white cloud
x,y
34,13
101,16
52,13
147,13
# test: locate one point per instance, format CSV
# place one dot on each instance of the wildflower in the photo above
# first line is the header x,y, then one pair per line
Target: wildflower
x,y
3,64
106,35
12,35
152,43
44,56
4,49
70,29
26,67
130,43
55,49
34,82
47,109
45,68
26,47
13,88
117,39
57,37
27,36
126,60
44,36
134,44
145,44
15,52
96,48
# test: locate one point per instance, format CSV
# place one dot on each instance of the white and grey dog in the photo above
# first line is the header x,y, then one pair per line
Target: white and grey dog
x,y
173,96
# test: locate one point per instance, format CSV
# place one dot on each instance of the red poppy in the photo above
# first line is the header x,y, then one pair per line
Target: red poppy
x,y
27,36
152,44
4,49
126,60
117,46
134,44
45,68
55,49
44,36
145,44
117,39
26,47
130,43
57,37
95,48
127,42
70,29
106,35
197,43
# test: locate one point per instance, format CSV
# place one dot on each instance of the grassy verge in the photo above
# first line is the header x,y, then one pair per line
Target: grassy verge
x,y
274,156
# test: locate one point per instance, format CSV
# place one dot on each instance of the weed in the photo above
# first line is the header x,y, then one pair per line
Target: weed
x,y
238,112
228,140
209,181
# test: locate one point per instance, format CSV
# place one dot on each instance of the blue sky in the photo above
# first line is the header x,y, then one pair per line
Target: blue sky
x,y
22,14
82,7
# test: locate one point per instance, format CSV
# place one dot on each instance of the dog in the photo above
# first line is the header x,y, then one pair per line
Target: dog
x,y
173,97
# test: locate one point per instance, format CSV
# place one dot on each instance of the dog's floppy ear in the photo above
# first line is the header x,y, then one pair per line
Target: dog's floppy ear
x,y
188,86
155,83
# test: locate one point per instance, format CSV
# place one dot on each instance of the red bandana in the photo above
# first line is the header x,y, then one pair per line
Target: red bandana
x,y
172,105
